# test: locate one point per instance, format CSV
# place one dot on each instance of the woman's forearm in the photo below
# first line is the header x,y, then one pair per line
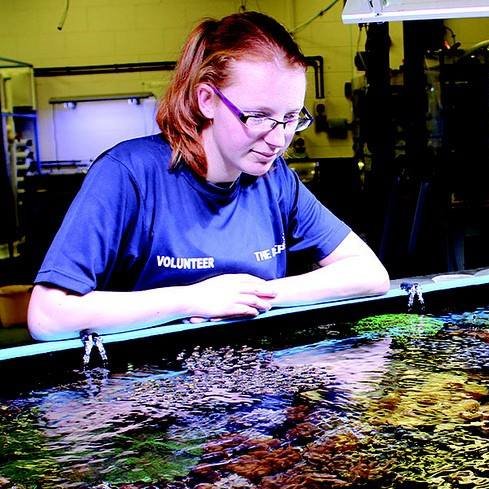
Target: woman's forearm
x,y
346,278
56,314
352,269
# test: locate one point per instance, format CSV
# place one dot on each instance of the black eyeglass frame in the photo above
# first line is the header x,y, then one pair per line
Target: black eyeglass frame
x,y
306,118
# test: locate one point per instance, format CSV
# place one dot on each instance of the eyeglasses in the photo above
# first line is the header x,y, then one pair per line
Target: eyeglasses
x,y
266,124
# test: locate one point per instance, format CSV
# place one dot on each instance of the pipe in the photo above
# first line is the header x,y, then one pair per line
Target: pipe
x,y
61,22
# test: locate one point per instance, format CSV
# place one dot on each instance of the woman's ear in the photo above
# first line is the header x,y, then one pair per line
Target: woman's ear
x,y
206,100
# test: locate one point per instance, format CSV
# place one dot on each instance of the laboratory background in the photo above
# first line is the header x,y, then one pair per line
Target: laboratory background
x,y
399,148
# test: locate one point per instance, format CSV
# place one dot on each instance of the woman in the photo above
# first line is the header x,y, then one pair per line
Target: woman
x,y
197,222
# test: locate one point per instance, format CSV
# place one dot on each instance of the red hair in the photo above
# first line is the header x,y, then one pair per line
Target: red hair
x,y
206,57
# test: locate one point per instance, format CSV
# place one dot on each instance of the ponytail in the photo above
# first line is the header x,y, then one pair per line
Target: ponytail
x,y
205,58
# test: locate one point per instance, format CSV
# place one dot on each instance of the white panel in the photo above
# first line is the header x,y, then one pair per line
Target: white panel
x,y
365,11
92,127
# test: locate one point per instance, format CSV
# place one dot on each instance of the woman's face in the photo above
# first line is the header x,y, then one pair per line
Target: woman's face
x,y
266,89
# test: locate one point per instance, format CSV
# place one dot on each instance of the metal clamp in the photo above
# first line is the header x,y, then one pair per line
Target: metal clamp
x,y
377,6
90,340
414,294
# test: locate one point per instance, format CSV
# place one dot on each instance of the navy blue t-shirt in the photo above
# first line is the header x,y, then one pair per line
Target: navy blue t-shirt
x,y
136,224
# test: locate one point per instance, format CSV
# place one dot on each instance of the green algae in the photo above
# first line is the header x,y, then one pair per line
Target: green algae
x,y
401,327
154,457
23,455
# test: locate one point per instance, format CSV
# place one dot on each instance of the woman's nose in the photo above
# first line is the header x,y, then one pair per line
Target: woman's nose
x,y
276,136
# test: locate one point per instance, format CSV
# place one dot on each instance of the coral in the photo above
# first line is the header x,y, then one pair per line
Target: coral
x,y
232,481
303,480
440,398
302,432
297,414
481,335
332,463
260,463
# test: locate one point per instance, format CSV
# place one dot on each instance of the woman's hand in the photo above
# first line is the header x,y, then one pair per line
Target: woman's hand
x,y
227,296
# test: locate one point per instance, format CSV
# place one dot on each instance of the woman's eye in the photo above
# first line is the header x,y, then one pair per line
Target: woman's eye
x,y
256,121
291,117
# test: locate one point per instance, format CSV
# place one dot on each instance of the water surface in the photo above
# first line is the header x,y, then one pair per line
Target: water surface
x,y
393,401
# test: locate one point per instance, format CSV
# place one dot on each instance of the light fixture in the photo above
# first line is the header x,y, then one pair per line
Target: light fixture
x,y
132,98
366,11
69,105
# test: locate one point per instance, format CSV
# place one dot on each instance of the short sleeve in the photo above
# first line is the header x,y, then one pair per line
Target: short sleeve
x,y
311,226
98,229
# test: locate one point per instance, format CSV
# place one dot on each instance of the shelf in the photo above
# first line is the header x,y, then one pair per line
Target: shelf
x,y
97,98
17,114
